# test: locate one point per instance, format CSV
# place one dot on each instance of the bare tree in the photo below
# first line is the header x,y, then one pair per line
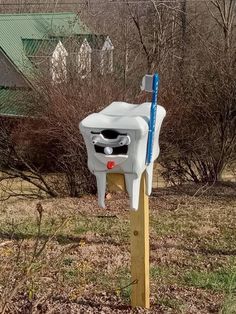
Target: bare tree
x,y
224,14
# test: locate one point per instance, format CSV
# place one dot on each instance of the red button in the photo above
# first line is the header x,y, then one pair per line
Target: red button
x,y
111,164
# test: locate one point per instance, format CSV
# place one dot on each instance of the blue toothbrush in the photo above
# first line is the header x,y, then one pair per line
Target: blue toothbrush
x,y
152,121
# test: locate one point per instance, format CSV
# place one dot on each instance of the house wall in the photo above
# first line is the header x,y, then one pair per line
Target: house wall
x,y
9,77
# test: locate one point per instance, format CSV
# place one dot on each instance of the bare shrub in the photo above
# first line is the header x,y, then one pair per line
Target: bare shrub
x,y
16,162
66,105
29,261
199,139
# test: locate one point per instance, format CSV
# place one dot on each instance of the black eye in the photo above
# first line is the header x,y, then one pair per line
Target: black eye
x,y
110,134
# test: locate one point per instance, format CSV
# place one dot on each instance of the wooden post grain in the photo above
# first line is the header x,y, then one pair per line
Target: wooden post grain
x,y
139,224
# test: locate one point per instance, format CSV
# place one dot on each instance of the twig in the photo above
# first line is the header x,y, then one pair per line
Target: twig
x,y
134,282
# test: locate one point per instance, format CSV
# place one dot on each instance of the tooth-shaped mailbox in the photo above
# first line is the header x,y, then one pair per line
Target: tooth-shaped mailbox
x,y
116,141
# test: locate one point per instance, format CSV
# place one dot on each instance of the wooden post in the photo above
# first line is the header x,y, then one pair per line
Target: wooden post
x,y
139,223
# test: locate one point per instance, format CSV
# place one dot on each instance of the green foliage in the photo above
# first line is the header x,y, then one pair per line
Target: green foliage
x,y
170,303
159,273
229,306
221,280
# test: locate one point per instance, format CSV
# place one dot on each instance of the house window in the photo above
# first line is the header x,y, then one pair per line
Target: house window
x,y
84,59
107,57
58,64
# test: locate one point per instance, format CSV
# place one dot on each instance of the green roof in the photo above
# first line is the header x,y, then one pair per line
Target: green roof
x,y
47,45
32,46
16,28
16,102
23,35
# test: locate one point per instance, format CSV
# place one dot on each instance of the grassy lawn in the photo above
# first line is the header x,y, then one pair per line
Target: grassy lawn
x,y
69,256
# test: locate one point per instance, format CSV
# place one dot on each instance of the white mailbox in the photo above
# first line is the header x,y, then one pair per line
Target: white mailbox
x,y
116,139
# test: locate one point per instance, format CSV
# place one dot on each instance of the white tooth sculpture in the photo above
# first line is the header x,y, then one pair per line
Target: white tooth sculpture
x,y
116,141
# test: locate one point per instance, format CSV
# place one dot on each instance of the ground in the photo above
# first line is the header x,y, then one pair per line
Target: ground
x,y
69,256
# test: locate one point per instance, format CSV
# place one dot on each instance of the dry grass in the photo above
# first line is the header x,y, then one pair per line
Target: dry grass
x,y
78,261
